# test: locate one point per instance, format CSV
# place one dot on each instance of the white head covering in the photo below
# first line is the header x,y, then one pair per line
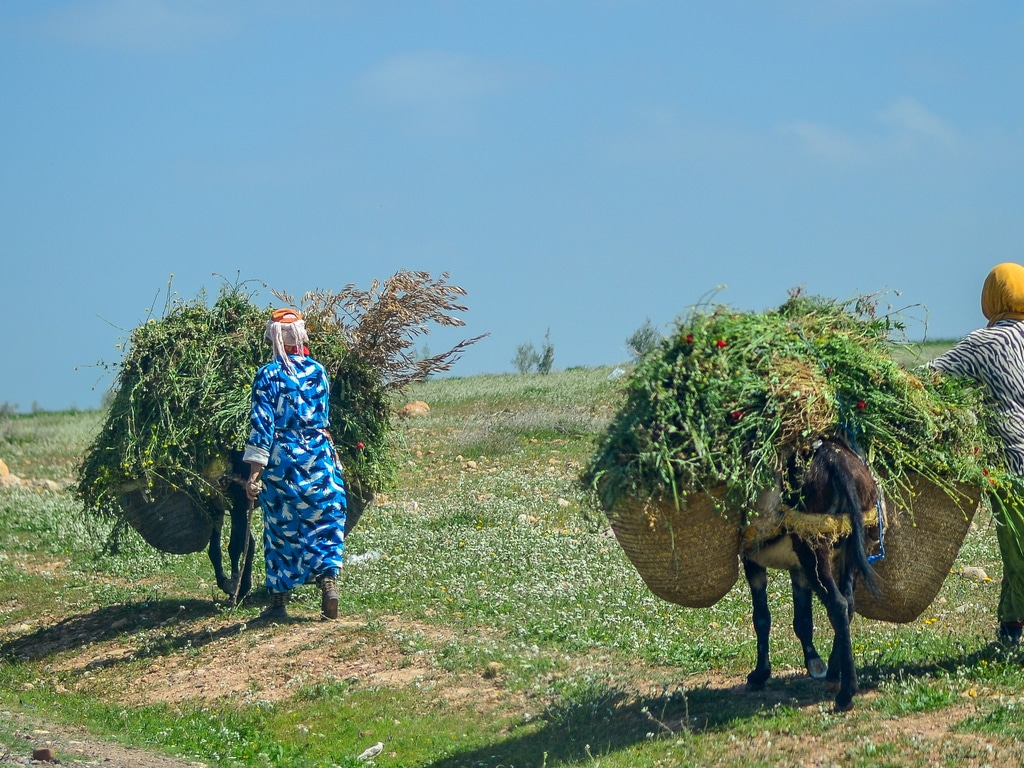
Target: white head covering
x,y
286,328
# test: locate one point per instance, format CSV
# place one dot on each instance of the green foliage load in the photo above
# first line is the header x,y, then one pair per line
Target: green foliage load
x,y
723,399
182,396
182,401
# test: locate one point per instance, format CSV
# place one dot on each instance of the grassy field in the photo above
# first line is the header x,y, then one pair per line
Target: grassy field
x,y
488,619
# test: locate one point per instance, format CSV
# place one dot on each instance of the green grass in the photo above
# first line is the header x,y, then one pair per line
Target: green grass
x,y
514,628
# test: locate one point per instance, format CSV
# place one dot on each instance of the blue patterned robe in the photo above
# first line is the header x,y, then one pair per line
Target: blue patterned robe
x,y
303,501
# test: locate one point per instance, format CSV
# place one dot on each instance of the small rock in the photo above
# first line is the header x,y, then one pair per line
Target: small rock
x,y
372,752
415,408
493,669
43,755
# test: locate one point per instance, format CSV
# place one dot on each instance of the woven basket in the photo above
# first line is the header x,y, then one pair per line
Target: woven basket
x,y
359,498
176,524
921,544
171,522
686,556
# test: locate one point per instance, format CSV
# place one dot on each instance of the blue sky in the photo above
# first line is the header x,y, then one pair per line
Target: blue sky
x,y
577,167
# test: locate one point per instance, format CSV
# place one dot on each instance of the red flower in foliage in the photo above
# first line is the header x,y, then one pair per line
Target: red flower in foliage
x,y
360,446
689,338
721,343
736,415
861,404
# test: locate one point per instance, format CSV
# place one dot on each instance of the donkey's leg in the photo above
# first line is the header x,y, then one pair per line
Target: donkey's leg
x,y
217,557
757,578
803,623
837,659
840,660
241,541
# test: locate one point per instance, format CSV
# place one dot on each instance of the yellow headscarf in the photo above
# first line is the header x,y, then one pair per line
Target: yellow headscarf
x,y
1002,296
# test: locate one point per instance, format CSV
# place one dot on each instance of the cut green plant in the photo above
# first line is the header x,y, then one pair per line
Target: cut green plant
x,y
181,399
720,403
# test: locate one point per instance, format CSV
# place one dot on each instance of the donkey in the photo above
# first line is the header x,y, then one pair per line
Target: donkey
x,y
831,481
241,543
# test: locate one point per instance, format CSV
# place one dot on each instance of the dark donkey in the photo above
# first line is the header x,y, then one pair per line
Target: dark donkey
x,y
832,481
241,543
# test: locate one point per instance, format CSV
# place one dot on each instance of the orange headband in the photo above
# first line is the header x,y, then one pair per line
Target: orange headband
x,y
285,315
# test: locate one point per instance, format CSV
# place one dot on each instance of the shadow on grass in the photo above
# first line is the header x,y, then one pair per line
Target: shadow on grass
x,y
872,675
112,621
610,720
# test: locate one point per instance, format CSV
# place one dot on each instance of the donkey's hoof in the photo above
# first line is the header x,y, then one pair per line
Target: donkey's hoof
x,y
817,669
844,704
756,681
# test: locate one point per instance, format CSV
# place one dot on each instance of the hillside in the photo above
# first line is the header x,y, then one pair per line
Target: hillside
x,y
488,619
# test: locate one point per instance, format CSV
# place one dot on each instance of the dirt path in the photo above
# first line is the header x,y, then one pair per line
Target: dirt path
x,y
73,747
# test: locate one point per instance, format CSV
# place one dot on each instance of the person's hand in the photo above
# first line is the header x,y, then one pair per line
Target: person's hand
x,y
253,487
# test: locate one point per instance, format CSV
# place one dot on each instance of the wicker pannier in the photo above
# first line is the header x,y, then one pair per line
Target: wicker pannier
x,y
172,522
921,544
687,556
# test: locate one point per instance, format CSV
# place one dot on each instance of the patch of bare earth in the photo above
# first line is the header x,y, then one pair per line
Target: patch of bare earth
x,y
180,655
159,657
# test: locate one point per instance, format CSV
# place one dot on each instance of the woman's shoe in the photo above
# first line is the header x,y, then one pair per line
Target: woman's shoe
x,y
328,596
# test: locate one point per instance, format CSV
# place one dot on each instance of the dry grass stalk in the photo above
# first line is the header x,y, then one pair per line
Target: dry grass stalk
x,y
381,324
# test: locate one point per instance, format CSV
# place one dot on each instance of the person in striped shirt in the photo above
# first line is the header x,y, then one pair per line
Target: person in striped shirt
x,y
994,356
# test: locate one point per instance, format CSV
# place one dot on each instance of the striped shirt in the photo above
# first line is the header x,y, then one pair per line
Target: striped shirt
x,y
994,356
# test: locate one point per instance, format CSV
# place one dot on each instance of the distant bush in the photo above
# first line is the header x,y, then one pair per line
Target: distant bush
x,y
528,359
645,339
547,355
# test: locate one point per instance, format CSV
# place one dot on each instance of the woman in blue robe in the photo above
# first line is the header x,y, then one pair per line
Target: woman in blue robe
x,y
294,470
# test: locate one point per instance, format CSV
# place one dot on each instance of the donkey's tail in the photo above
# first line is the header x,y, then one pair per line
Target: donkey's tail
x,y
857,548
850,497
